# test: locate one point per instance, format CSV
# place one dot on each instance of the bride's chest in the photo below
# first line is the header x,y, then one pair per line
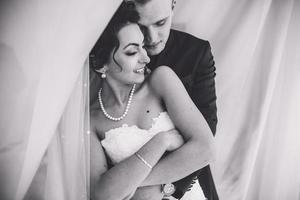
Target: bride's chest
x,y
140,114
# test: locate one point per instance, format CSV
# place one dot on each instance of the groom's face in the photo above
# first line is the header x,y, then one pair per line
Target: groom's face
x,y
155,21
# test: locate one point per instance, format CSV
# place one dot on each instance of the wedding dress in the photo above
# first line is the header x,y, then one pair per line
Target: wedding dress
x,y
124,141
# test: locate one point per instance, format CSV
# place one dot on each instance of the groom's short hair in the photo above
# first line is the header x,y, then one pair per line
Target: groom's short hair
x,y
143,2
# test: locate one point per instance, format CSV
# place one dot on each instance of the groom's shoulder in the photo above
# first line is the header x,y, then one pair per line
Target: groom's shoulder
x,y
187,40
184,46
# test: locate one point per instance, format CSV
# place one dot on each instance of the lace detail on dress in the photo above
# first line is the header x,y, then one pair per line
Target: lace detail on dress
x,y
122,142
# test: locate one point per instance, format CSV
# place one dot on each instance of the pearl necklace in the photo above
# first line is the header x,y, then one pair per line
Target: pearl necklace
x,y
126,109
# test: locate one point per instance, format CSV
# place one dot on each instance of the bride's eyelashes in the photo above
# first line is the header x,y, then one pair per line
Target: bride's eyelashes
x,y
130,53
134,51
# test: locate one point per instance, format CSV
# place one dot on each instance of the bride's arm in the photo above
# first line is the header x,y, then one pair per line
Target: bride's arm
x,y
198,149
121,180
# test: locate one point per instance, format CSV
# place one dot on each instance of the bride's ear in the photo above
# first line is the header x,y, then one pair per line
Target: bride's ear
x,y
102,71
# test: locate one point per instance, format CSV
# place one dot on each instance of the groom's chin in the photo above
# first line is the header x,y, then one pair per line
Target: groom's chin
x,y
152,51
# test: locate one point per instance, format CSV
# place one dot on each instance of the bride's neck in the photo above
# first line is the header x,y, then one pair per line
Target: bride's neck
x,y
115,93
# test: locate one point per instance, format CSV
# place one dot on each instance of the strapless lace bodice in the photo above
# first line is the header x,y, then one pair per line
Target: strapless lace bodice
x,y
122,142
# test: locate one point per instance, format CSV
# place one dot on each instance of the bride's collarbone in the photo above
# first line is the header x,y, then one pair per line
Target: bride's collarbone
x,y
145,106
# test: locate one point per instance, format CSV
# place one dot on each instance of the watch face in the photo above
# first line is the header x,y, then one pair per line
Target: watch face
x,y
168,189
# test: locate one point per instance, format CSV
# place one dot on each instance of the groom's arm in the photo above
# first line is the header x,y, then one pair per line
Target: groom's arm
x,y
203,93
203,85
148,193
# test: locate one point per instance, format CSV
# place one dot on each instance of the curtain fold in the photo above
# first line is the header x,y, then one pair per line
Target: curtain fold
x,y
44,45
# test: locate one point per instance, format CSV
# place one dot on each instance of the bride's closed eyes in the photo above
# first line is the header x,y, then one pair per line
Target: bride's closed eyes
x,y
134,49
130,53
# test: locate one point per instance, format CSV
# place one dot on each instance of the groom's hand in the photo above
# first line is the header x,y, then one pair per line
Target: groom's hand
x,y
148,193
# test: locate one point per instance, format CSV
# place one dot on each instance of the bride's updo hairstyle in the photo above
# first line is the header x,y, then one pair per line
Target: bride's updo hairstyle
x,y
108,40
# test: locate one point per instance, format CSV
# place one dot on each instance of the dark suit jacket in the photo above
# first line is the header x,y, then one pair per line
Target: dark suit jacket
x,y
192,61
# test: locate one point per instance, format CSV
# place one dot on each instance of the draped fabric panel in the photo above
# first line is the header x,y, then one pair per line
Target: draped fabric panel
x,y
256,48
44,45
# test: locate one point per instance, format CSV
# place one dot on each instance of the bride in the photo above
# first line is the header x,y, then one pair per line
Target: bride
x,y
136,152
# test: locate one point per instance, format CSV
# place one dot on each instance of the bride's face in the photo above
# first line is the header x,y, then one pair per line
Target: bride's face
x,y
127,62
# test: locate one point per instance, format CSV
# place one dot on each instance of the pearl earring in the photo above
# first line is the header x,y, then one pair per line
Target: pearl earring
x,y
173,4
102,71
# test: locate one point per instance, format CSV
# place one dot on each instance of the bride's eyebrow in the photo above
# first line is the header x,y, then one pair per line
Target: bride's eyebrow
x,y
133,44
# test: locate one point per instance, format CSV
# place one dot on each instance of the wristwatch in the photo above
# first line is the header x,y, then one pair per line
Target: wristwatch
x,y
168,189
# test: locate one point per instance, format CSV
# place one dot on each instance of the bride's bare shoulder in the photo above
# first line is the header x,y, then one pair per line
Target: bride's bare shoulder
x,y
162,78
162,71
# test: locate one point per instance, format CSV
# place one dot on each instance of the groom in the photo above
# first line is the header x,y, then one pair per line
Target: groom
x,y
192,60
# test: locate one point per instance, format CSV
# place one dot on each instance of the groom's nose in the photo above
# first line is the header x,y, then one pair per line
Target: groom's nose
x,y
151,36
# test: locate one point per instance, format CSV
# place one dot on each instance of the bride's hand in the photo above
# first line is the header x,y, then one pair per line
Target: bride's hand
x,y
173,139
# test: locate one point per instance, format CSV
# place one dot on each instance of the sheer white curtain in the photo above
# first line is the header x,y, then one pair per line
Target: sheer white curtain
x,y
256,46
44,93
